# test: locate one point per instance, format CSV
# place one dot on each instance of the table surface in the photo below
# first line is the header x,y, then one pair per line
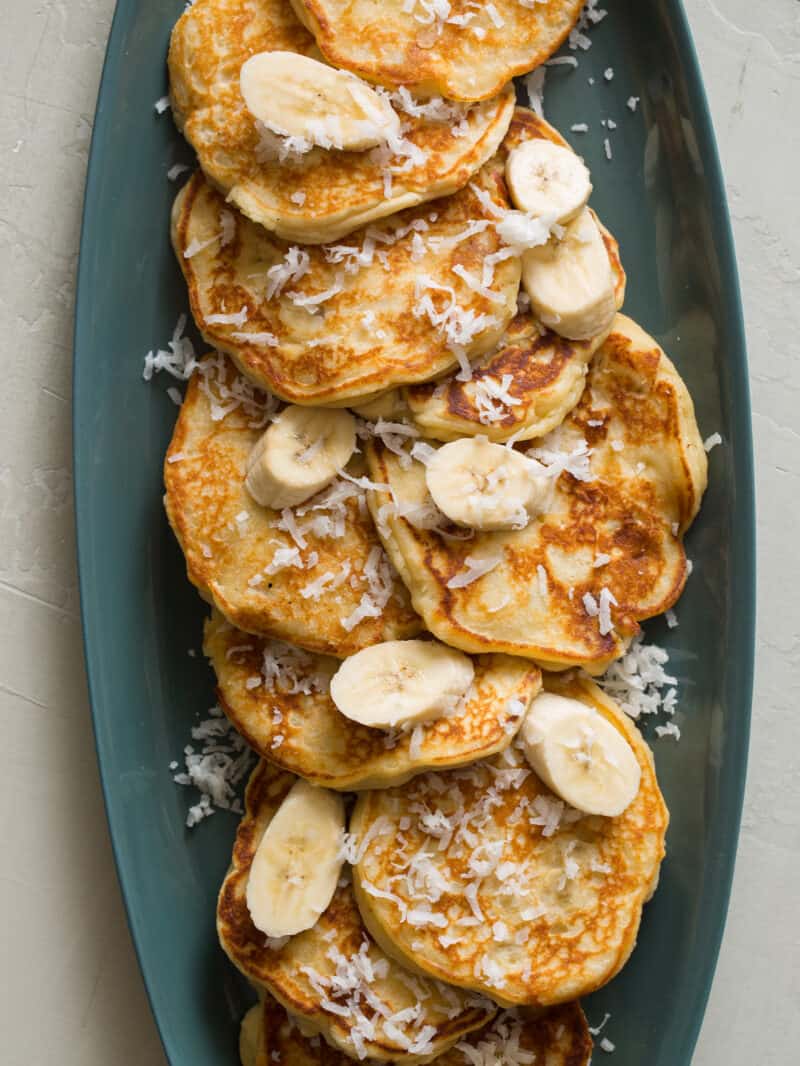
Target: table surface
x,y
63,936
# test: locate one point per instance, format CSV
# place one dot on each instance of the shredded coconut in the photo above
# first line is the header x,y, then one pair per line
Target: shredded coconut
x,y
217,770
474,570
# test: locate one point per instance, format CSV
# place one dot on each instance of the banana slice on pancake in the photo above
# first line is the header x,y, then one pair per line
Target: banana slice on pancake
x,y
297,96
333,979
299,455
401,683
297,864
486,486
569,280
579,755
545,178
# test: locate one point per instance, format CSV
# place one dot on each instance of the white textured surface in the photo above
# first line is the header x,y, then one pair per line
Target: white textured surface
x,y
72,991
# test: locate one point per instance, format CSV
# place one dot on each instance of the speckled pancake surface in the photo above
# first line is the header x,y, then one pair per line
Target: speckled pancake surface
x,y
266,570
559,1037
542,903
610,539
534,378
370,333
321,195
334,978
278,698
461,50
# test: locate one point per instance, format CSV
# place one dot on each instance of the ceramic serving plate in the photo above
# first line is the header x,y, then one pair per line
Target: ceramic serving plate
x,y
662,195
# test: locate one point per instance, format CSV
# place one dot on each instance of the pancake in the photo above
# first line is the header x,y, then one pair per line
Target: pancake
x,y
399,43
542,903
544,375
558,1038
321,195
529,383
255,571
333,978
370,333
610,544
305,733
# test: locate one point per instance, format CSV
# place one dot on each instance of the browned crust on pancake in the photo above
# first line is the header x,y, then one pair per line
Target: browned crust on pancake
x,y
557,1037
620,513
343,189
330,370
563,965
314,740
204,491
277,969
416,70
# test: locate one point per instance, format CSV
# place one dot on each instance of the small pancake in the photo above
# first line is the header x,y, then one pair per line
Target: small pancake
x,y
305,733
324,194
254,572
297,971
558,1038
369,334
542,903
544,373
617,535
399,43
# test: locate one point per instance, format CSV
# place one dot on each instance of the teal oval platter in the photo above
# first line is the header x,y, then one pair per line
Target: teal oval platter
x,y
663,197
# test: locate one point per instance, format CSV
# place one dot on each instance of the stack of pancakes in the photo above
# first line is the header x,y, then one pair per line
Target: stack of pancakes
x,y
356,279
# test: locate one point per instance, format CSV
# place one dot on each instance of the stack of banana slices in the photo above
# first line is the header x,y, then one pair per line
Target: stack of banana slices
x,y
429,480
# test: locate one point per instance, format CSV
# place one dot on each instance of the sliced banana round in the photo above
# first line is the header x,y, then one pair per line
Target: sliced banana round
x,y
299,455
297,864
401,683
570,282
580,755
547,179
296,96
486,486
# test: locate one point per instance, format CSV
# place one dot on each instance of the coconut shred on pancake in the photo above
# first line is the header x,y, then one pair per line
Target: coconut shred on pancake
x,y
526,386
333,978
399,301
319,194
627,470
542,903
279,699
559,1037
457,48
314,575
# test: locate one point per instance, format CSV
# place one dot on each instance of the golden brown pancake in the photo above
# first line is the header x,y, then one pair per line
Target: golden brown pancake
x,y
370,334
609,544
322,195
334,978
542,903
292,720
543,373
243,558
398,43
560,1037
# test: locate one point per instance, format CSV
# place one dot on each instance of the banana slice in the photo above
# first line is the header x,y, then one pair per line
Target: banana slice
x,y
486,486
299,455
296,96
401,683
297,864
546,179
580,755
569,281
